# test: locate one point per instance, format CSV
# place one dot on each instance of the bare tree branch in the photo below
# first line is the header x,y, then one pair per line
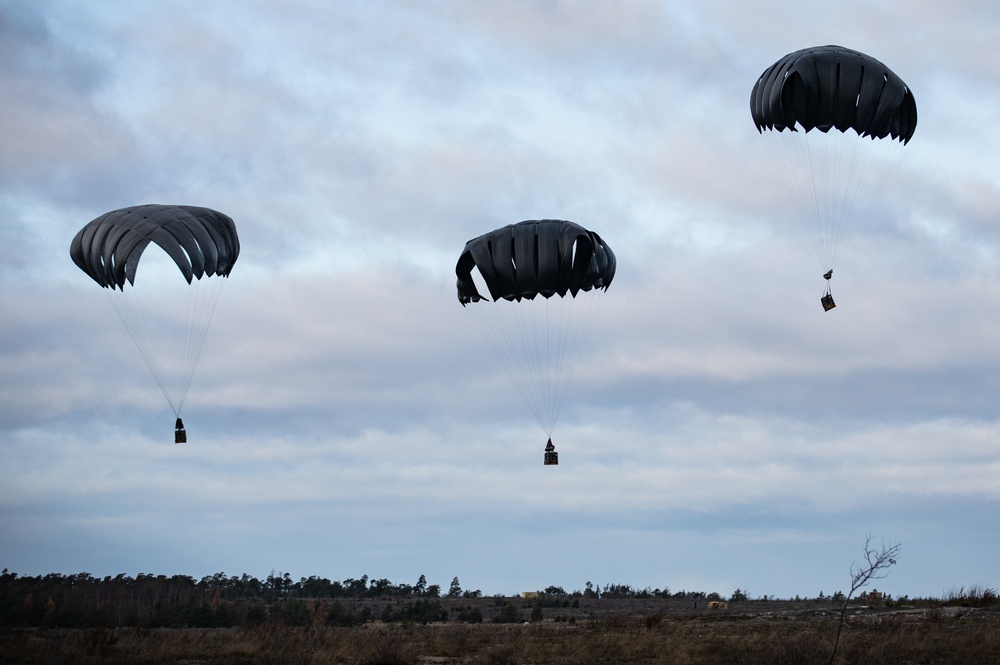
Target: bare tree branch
x,y
877,563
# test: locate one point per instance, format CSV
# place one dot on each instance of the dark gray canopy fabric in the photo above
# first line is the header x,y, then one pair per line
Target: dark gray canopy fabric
x,y
826,87
201,242
533,257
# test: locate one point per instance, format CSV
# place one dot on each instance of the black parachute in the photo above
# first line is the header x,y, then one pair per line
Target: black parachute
x,y
833,178
825,87
200,241
168,326
535,257
538,341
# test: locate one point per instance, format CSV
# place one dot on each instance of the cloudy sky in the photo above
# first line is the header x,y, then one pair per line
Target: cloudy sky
x,y
347,417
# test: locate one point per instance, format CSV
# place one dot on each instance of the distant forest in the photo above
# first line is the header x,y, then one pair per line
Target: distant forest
x,y
84,601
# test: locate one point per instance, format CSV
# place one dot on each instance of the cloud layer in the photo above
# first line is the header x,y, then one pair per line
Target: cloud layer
x,y
346,418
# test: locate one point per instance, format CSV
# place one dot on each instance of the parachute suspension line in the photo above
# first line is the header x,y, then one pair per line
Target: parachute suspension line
x,y
550,345
856,167
815,193
555,349
201,297
501,323
794,167
839,193
201,303
134,319
832,179
872,162
575,333
539,343
815,206
496,331
838,161
534,351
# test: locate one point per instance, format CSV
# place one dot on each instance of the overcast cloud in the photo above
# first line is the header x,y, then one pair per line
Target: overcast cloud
x,y
347,418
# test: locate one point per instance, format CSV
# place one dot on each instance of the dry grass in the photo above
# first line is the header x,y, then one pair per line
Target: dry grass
x,y
961,635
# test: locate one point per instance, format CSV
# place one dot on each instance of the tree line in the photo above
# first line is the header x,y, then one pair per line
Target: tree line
x,y
220,600
82,600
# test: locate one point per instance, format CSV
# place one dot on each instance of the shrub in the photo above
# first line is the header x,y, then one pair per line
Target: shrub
x,y
977,595
536,613
291,613
470,615
508,614
338,615
422,611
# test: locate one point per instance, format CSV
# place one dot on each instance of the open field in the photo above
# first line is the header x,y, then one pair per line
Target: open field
x,y
597,631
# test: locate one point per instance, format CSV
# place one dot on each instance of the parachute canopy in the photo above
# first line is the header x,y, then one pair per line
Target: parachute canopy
x,y
538,341
535,257
200,241
166,318
826,87
833,178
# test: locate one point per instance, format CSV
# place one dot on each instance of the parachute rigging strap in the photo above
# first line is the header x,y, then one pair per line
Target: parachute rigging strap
x,y
827,299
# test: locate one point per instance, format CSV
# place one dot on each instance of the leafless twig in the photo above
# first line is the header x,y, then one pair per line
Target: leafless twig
x,y
876,565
